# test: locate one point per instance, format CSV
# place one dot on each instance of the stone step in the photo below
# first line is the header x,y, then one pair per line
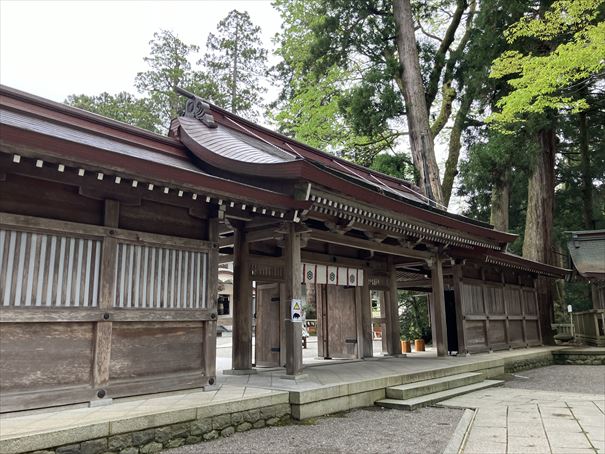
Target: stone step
x,y
430,399
421,388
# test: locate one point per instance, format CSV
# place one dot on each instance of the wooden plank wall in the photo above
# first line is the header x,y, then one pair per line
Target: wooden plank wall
x,y
92,312
499,309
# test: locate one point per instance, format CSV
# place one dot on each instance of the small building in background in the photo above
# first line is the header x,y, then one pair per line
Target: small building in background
x,y
587,252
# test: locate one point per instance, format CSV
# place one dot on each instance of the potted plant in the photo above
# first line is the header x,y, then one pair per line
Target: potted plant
x,y
406,345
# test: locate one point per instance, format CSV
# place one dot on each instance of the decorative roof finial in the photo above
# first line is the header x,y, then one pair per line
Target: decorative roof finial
x,y
197,108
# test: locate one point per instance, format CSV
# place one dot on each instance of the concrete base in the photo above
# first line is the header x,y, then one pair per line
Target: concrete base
x,y
209,388
298,377
100,403
240,372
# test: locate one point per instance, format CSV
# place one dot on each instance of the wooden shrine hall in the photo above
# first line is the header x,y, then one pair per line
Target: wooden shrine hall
x,y
111,238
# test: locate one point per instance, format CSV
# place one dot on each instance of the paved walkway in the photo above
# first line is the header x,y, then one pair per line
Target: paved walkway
x,y
528,421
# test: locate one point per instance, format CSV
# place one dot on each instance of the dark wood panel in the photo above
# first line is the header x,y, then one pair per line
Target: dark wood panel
x,y
474,333
47,199
530,302
532,332
141,350
495,300
341,322
512,298
497,332
153,217
472,299
515,332
17,401
45,355
267,344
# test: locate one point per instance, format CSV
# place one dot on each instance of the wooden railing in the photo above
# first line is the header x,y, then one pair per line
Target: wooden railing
x,y
589,327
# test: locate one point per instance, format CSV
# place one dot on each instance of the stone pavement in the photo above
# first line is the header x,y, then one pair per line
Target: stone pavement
x,y
528,421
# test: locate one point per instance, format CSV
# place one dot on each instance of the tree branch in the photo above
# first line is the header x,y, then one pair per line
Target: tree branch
x,y
447,41
430,35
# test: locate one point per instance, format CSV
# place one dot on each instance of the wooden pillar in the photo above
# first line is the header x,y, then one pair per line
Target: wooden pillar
x,y
438,306
392,312
209,346
292,273
284,307
458,304
103,330
241,353
367,340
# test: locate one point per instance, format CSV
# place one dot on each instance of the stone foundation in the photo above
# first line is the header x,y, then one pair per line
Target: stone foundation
x,y
580,357
186,433
534,362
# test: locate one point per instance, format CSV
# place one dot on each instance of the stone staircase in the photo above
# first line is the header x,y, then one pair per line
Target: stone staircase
x,y
428,392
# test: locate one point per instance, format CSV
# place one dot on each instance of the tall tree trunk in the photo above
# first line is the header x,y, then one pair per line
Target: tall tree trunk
x,y
451,165
586,173
500,202
421,139
537,244
234,75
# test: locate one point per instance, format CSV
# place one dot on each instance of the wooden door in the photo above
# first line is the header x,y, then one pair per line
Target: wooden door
x,y
267,346
340,322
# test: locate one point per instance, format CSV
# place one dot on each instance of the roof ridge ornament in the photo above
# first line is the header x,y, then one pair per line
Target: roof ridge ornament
x,y
197,108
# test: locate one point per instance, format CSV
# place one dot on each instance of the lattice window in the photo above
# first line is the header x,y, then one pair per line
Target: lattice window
x,y
38,269
160,278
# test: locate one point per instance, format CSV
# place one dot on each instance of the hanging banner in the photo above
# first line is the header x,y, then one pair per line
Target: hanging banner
x,y
321,274
333,275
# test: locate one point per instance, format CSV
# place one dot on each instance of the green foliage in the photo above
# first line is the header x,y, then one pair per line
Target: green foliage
x,y
236,63
338,72
123,107
169,67
414,319
333,99
575,31
398,166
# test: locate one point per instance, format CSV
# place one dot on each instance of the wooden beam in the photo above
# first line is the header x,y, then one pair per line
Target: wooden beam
x,y
327,259
439,325
294,364
345,240
36,224
225,258
242,304
53,315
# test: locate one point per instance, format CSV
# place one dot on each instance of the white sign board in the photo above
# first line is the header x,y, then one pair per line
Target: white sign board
x,y
296,313
569,308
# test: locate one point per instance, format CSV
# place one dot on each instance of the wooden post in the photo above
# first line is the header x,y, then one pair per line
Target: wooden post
x,y
392,311
284,307
367,340
293,291
439,326
242,303
103,330
458,305
209,346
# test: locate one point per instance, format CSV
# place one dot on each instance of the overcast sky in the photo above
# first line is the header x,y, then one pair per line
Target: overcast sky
x,y
56,48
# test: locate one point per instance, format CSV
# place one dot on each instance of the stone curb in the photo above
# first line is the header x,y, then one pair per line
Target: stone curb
x,y
458,440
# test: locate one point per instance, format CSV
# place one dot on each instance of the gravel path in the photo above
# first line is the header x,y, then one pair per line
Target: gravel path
x,y
368,430
575,379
